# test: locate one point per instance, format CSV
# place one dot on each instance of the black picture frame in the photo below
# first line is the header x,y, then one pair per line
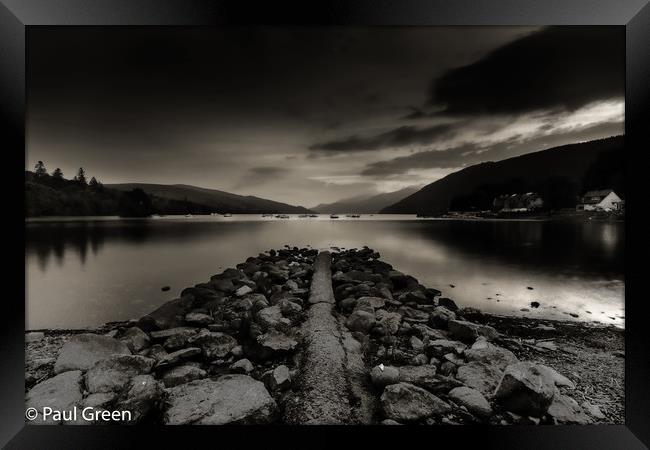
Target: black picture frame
x,y
17,16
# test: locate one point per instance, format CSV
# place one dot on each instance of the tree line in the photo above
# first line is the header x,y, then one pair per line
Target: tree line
x,y
56,178
51,194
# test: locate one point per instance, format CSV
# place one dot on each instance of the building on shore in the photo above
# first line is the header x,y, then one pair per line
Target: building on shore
x,y
529,201
601,200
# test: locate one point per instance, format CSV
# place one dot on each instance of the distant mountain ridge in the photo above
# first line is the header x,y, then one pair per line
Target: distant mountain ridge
x,y
221,201
365,204
573,163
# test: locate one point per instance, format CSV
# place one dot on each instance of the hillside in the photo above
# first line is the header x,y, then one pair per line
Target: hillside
x,y
365,204
219,201
49,196
563,172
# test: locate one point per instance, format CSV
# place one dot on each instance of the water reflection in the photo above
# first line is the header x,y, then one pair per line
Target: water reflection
x,y
82,273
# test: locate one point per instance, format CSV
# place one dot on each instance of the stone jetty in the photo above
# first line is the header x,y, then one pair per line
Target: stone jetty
x,y
298,336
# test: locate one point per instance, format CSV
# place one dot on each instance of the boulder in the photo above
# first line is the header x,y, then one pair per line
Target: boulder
x,y
289,308
276,342
142,398
566,410
557,378
593,410
373,302
182,374
389,320
485,352
280,378
440,317
454,359
82,351
348,304
169,315
448,303
421,376
113,373
243,291
360,320
382,376
242,366
270,318
224,285
231,399
416,344
525,389
413,315
448,368
406,402
468,331
471,399
61,393
157,352
427,332
213,344
179,340
441,347
199,319
136,339
419,360
178,356
171,332
480,376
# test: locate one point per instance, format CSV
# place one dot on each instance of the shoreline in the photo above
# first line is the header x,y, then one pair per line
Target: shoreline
x,y
247,328
461,216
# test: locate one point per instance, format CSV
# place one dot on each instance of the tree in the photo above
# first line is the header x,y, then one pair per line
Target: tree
x,y
95,185
57,174
39,169
81,177
135,203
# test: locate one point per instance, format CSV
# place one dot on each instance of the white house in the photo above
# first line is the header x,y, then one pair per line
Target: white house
x,y
602,200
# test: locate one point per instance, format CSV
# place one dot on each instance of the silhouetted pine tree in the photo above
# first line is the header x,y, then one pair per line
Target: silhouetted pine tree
x,y
96,185
81,177
39,169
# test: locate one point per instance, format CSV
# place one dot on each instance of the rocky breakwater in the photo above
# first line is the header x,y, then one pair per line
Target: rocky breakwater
x,y
431,363
221,353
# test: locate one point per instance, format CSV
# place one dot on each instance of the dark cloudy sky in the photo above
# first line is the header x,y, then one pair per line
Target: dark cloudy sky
x,y
312,115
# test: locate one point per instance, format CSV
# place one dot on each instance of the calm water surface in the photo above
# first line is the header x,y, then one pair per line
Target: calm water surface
x,y
84,272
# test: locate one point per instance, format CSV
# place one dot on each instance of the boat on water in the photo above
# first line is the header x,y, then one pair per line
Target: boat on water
x,y
313,215
188,215
302,216
354,216
333,216
227,215
281,216
267,215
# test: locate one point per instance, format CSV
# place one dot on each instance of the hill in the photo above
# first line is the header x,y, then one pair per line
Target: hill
x,y
559,174
219,201
365,204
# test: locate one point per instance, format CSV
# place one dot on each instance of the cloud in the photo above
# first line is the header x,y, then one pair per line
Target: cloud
x,y
472,153
398,137
555,68
256,176
268,171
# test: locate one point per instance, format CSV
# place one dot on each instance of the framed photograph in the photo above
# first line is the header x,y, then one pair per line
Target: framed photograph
x,y
351,216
